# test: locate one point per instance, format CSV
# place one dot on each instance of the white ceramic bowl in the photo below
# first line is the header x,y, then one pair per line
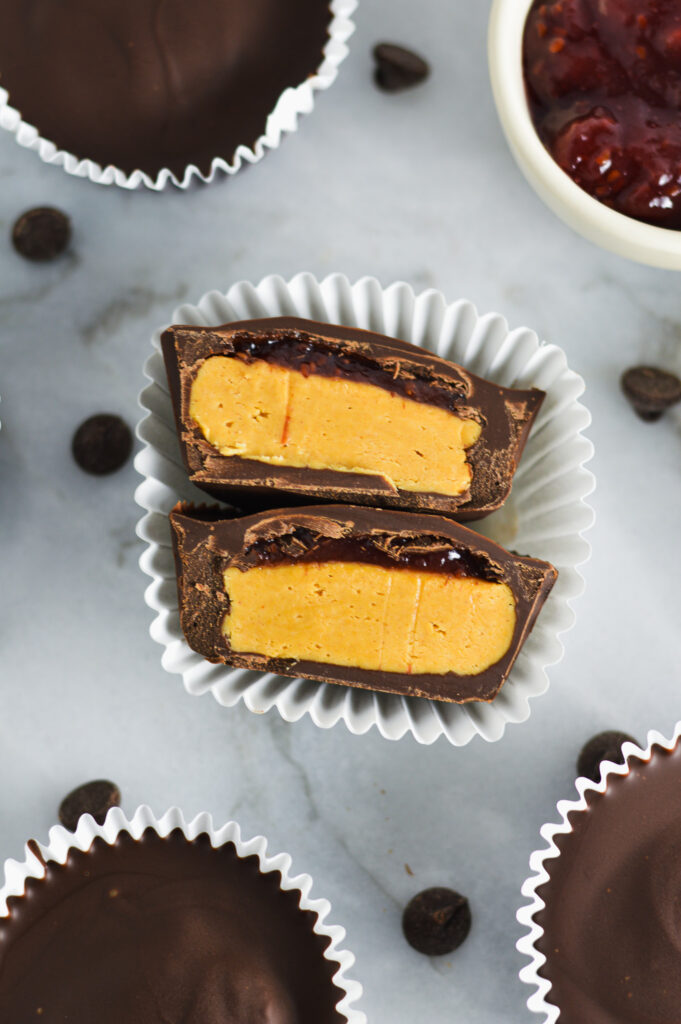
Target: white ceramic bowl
x,y
545,515
658,247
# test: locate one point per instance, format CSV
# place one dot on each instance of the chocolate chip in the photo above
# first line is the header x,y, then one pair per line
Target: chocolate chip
x,y
102,444
397,68
651,391
41,234
606,746
95,798
436,921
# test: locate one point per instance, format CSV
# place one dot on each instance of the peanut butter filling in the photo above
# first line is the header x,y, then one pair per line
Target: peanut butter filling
x,y
275,415
369,617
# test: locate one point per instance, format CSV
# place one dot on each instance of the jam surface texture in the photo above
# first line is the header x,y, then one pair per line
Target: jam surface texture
x,y
604,86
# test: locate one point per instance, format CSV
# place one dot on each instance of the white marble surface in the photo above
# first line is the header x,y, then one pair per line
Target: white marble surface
x,y
420,187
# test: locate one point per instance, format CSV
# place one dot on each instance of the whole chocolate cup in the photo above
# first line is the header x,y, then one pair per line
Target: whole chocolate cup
x,y
296,100
627,871
61,843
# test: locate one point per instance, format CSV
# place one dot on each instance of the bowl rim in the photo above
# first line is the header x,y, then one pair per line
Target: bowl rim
x,y
617,232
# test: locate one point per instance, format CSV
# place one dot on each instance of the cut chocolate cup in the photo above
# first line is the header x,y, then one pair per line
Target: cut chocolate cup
x,y
323,413
390,601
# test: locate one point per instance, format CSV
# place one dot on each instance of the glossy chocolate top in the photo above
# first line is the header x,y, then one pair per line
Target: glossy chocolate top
x,y
613,916
156,83
206,544
162,931
506,414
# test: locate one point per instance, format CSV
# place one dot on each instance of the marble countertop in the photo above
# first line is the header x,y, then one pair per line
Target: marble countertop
x,y
420,187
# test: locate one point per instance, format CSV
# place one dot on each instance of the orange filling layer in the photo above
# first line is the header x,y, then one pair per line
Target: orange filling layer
x,y
278,416
369,617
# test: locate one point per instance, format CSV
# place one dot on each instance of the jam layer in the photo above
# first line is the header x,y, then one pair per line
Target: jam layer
x,y
424,551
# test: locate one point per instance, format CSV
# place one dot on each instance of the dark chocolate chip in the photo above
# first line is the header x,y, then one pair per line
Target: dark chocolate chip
x,y
41,234
397,68
606,746
102,444
95,798
651,391
436,921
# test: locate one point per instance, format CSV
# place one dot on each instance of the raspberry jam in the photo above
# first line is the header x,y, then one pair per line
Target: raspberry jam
x,y
604,86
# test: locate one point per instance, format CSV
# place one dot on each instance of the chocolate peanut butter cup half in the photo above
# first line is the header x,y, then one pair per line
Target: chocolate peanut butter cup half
x,y
323,413
161,931
398,602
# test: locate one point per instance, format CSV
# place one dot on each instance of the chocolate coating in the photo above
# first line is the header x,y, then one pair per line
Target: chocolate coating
x,y
612,922
163,931
205,546
148,84
506,415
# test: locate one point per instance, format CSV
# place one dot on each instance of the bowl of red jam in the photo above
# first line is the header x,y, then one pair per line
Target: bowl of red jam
x,y
589,96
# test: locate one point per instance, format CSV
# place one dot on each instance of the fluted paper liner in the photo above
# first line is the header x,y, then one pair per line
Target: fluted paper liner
x,y
527,945
60,842
545,516
291,105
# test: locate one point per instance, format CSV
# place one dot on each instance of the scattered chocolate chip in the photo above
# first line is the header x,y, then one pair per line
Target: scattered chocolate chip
x,y
606,746
102,444
436,921
651,391
41,234
397,68
95,798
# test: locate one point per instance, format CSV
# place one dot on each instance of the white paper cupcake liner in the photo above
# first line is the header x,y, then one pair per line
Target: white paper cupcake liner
x,y
545,516
291,105
60,842
526,945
